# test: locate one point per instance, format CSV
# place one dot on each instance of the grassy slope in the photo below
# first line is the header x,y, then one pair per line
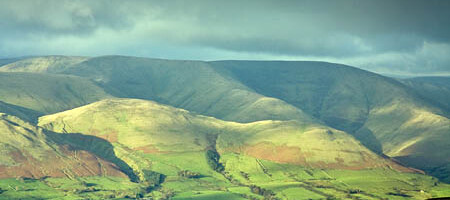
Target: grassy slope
x,y
192,85
26,151
367,101
43,64
169,140
151,127
21,112
435,89
35,165
384,114
47,93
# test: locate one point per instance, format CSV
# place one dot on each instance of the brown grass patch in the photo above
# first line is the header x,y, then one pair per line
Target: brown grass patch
x,y
295,155
150,149
110,135
71,164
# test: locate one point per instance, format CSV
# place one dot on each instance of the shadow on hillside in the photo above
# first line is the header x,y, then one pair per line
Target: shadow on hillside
x,y
368,139
442,171
98,146
20,112
357,129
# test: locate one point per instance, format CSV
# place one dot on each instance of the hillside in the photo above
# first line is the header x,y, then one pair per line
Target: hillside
x,y
47,93
167,140
342,97
387,116
434,89
44,64
192,85
27,150
276,140
148,126
23,113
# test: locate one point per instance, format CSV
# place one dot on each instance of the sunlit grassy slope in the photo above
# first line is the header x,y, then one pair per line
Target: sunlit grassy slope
x,y
152,127
384,114
34,166
291,159
47,93
26,152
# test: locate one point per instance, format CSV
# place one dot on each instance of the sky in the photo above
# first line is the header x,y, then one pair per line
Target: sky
x,y
399,37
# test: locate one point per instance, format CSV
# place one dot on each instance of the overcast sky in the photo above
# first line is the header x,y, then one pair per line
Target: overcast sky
x,y
397,36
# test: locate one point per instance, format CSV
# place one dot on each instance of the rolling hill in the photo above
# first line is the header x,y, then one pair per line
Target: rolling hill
x,y
275,128
387,116
151,127
21,112
40,64
27,150
47,93
191,85
434,89
168,140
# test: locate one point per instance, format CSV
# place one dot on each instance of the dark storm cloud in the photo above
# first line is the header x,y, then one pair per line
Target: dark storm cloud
x,y
404,36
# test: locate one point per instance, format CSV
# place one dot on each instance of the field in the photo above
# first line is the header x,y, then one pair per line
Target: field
x,y
241,174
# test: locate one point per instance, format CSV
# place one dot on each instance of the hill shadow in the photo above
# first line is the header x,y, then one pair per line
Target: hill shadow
x,y
97,146
357,130
368,139
23,113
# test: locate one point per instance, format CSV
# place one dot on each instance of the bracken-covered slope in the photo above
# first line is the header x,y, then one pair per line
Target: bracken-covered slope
x,y
27,151
384,114
155,128
47,93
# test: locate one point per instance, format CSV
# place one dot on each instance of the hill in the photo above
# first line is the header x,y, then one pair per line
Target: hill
x,y
148,126
23,113
27,150
387,116
47,93
276,140
167,140
434,89
191,85
42,64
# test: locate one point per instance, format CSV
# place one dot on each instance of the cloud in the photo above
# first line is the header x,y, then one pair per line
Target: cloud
x,y
404,36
